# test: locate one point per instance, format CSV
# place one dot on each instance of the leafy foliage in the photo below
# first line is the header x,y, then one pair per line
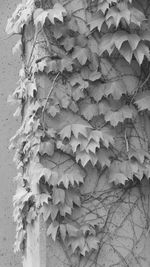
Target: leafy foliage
x,y
84,100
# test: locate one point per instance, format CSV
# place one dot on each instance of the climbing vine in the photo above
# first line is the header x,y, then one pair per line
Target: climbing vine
x,y
83,95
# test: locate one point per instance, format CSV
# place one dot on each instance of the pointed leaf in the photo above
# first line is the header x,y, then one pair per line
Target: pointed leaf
x,y
143,100
47,148
118,178
58,196
52,230
65,132
82,54
80,129
141,51
120,115
62,230
97,22
58,12
89,110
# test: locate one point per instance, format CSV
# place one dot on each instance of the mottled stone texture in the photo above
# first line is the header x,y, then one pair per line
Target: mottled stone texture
x,y
9,67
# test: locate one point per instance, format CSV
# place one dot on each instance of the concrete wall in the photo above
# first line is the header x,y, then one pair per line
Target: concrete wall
x,y
9,67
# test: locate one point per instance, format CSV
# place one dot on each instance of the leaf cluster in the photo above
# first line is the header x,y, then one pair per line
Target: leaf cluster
x,y
92,57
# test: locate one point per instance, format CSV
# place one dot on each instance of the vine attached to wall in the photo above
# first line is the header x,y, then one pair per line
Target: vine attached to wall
x,y
84,99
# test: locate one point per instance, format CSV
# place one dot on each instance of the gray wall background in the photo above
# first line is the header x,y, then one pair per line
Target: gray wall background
x,y
9,67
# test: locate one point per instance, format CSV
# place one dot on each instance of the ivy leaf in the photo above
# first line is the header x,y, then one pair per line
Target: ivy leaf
x,y
31,216
58,12
137,169
103,6
37,171
94,76
66,64
92,242
50,132
65,132
53,110
120,172
68,43
133,40
46,211
137,17
78,86
143,100
49,210
71,175
119,38
40,16
118,178
47,147
97,91
126,51
114,117
88,110
84,249
93,45
122,36
52,230
130,74
106,43
139,154
51,66
20,237
105,135
91,147
42,199
31,88
17,48
58,196
72,197
73,106
116,14
76,129
103,107
103,157
64,210
116,88
83,157
71,229
42,65
21,16
63,147
78,242
97,22
21,195
63,231
82,54
77,79
74,142
141,51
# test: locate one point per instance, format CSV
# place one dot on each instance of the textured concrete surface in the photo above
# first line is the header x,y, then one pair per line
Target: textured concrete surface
x,y
9,67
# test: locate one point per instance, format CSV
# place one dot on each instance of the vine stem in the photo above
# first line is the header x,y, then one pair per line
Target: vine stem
x,y
33,46
141,86
49,94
